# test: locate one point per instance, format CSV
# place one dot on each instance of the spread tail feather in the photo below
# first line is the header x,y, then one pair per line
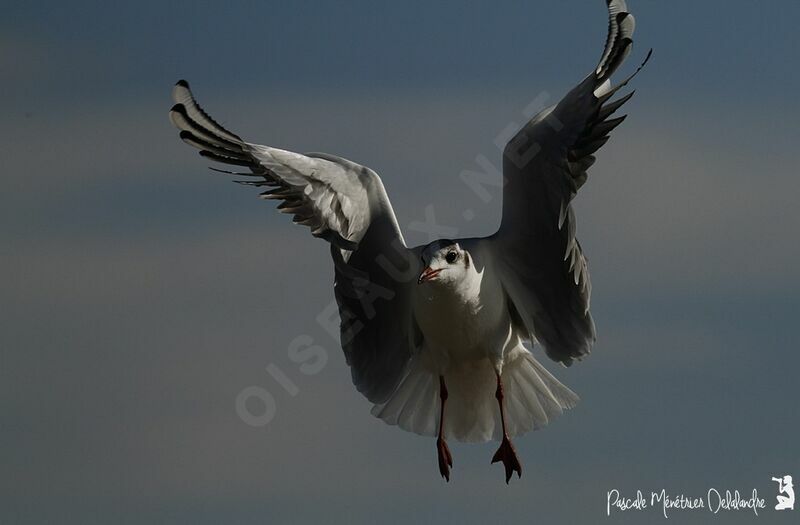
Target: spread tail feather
x,y
533,397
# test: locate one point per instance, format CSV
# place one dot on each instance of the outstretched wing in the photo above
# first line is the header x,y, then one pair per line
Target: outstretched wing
x,y
346,204
542,266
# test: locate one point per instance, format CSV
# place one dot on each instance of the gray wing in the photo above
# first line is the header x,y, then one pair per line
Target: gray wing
x,y
542,265
346,204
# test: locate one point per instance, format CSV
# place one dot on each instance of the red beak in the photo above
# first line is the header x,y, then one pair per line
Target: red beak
x,y
428,274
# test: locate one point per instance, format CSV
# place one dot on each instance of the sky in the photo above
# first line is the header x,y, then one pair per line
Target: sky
x,y
143,293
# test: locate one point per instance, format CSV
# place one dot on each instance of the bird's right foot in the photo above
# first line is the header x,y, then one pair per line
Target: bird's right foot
x,y
445,459
508,456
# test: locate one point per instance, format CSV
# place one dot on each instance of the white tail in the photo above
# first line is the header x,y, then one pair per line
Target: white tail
x,y
533,397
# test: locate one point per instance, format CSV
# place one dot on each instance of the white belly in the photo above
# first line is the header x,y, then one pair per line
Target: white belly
x,y
459,329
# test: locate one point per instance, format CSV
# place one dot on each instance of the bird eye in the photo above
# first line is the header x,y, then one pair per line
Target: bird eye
x,y
451,257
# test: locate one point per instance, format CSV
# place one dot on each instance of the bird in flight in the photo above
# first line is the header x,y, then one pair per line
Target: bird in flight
x,y
434,335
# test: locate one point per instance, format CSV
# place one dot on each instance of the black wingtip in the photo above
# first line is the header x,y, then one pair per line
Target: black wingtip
x,y
624,83
236,161
179,108
182,83
644,62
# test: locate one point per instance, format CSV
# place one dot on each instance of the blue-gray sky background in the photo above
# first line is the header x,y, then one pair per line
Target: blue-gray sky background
x,y
142,293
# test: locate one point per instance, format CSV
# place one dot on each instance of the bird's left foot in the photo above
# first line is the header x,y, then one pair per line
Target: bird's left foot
x,y
445,458
508,456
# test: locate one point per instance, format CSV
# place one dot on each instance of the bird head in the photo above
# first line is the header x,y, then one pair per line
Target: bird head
x,y
444,262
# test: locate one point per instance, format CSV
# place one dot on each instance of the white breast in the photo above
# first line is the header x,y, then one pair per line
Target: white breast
x,y
463,321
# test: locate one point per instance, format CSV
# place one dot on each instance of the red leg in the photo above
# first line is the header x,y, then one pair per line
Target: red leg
x,y
445,459
506,452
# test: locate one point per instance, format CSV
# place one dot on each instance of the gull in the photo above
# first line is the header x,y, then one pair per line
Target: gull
x,y
440,330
